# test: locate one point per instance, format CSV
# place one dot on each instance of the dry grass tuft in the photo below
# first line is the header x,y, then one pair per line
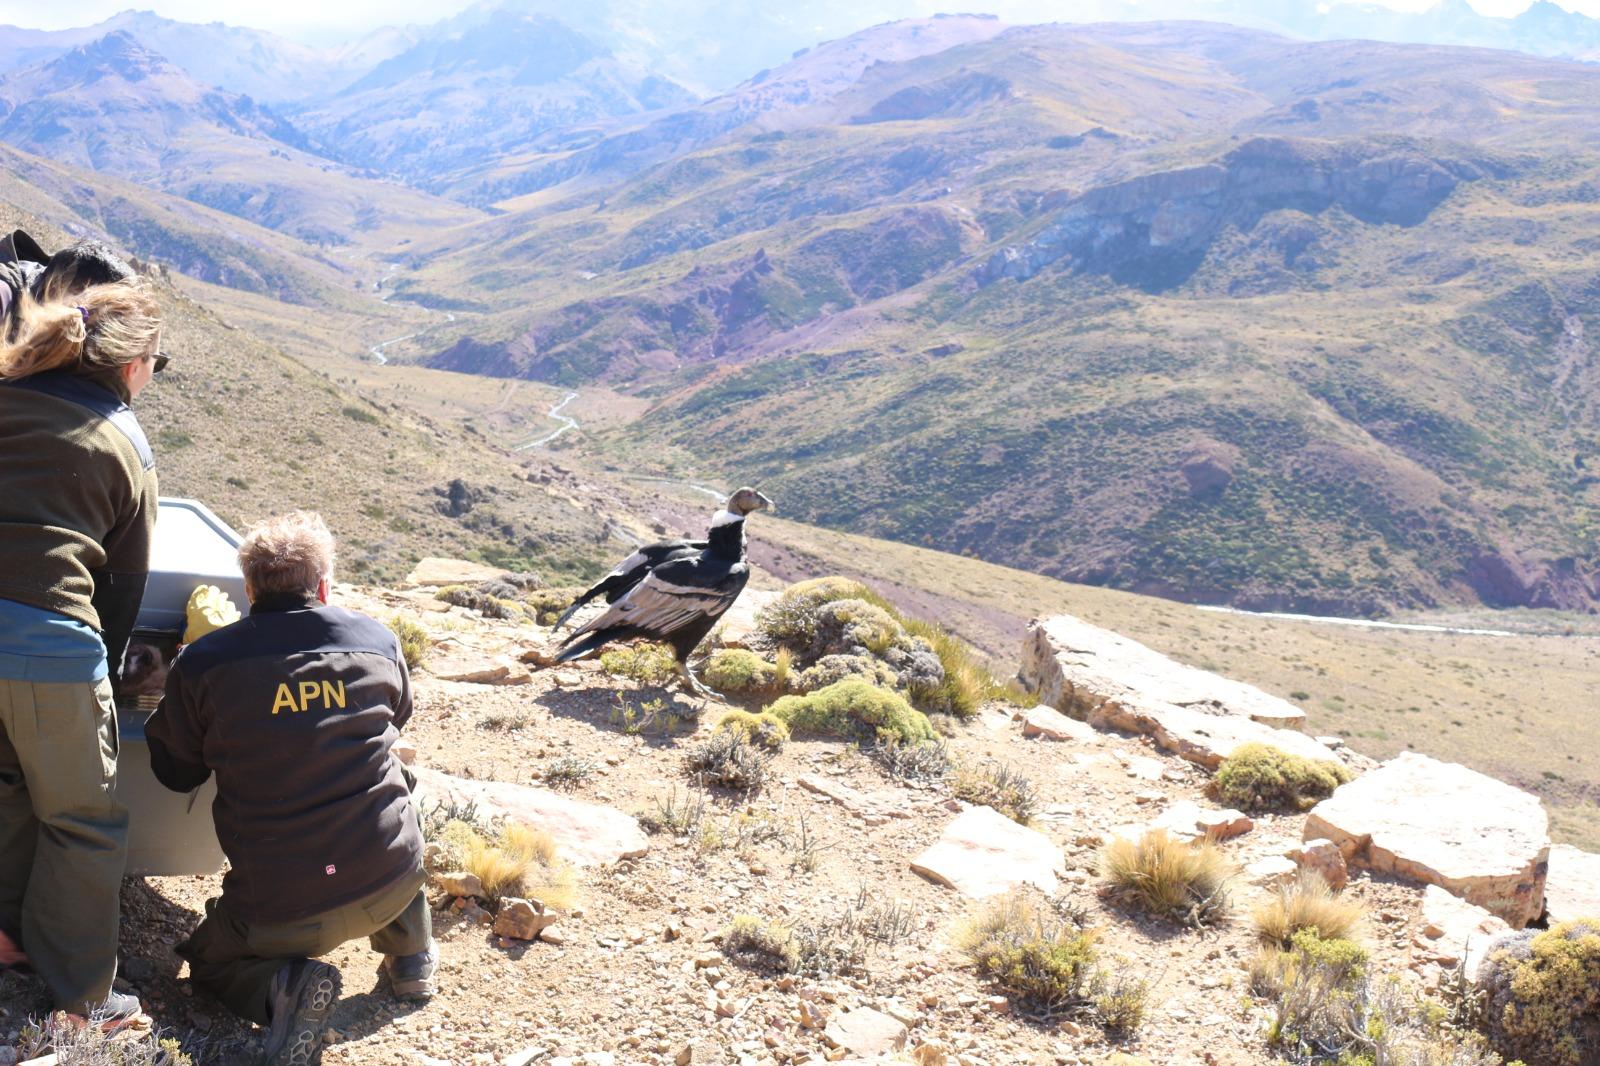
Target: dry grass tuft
x,y
997,785
1308,903
521,862
1168,877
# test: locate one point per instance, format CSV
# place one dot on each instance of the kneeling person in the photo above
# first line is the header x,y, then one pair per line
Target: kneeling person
x,y
295,709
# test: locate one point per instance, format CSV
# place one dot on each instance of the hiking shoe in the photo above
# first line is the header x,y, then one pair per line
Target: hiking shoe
x,y
411,976
119,1011
302,997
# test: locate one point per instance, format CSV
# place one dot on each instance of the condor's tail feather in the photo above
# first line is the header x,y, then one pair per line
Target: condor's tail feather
x,y
581,644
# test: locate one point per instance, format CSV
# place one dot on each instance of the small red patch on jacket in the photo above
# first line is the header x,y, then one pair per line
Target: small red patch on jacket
x,y
330,869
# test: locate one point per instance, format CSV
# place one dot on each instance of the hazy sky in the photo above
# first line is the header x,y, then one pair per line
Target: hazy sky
x,y
322,22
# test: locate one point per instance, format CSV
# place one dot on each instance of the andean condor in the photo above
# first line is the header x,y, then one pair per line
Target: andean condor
x,y
672,592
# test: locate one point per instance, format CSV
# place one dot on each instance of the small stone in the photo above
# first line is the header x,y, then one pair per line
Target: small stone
x,y
1050,724
404,750
459,883
1271,871
1324,857
552,935
522,919
866,1032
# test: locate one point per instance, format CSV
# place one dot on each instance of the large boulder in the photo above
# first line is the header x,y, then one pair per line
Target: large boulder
x,y
1076,667
434,572
1442,824
984,853
587,834
1573,887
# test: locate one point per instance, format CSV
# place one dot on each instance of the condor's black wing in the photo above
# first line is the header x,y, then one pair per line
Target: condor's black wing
x,y
632,570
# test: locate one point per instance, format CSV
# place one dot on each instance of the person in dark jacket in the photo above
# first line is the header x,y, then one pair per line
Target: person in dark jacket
x,y
77,510
295,708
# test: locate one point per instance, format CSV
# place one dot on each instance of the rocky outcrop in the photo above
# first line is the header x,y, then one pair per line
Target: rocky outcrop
x,y
1050,724
434,572
1573,887
1442,824
1153,230
984,853
587,834
1455,931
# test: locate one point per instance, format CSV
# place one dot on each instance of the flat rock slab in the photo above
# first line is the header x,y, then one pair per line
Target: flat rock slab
x,y
1442,824
1074,664
1048,723
983,853
874,808
1454,930
1189,821
436,572
866,1032
1200,736
1573,887
738,625
476,668
588,834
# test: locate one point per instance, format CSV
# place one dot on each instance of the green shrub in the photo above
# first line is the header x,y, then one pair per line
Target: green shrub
x,y
834,668
90,1045
1040,959
1260,777
1169,877
739,672
545,605
1542,993
999,786
765,728
854,709
1318,991
414,640
476,599
567,772
648,664
792,618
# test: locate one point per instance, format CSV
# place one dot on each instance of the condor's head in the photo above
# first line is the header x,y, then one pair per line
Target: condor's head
x,y
747,500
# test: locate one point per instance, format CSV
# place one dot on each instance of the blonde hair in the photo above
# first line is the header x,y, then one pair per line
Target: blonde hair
x,y
290,553
104,327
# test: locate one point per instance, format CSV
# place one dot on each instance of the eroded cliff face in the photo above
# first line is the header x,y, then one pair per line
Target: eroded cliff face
x,y
1154,230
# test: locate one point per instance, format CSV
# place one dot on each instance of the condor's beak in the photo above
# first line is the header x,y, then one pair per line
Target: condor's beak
x,y
764,504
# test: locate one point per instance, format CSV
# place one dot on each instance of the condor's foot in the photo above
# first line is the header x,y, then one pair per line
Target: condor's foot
x,y
693,684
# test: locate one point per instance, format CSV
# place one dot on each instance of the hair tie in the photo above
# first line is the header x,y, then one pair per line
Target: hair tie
x,y
84,311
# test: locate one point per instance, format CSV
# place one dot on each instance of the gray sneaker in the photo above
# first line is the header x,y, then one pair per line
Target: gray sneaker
x,y
411,976
302,998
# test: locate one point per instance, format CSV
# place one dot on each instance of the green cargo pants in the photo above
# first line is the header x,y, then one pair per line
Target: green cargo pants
x,y
235,960
63,836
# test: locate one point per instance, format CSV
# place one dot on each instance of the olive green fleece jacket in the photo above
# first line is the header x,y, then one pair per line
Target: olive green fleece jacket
x,y
77,501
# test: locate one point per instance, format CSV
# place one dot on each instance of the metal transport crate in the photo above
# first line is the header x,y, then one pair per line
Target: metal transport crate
x,y
171,834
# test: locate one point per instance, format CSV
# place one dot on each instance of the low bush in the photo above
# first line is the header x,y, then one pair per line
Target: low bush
x,y
545,605
1168,877
1307,903
567,772
926,760
728,760
1260,777
765,728
90,1045
774,943
738,672
1542,993
1046,961
476,599
648,664
840,944
414,640
996,785
855,710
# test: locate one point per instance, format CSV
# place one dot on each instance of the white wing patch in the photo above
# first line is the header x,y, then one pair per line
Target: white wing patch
x,y
661,606
627,564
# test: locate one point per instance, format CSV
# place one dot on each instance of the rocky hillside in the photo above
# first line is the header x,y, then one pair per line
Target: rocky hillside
x,y
810,898
1280,325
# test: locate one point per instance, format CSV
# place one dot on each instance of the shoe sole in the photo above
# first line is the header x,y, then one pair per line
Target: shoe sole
x,y
313,1006
415,991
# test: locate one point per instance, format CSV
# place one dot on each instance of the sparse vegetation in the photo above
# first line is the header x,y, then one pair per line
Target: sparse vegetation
x,y
1259,777
476,599
1542,993
1169,877
567,772
927,760
840,944
680,814
89,1045
1307,903
520,861
996,785
765,728
728,760
545,605
636,716
854,709
414,640
646,663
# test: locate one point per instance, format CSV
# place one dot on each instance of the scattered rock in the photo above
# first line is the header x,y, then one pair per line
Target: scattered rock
x,y
1202,737
459,883
866,1032
1323,857
1573,887
1272,871
874,808
983,853
453,664
1442,824
587,834
1453,930
437,572
404,750
1074,665
522,919
1051,724
1188,820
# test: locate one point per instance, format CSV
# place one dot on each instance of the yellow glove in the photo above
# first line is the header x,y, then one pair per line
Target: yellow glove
x,y
209,609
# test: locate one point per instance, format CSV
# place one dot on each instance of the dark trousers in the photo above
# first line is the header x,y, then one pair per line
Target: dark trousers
x,y
235,960
63,835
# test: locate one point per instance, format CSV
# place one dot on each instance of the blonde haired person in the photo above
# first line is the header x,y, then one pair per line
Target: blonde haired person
x,y
296,709
77,509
